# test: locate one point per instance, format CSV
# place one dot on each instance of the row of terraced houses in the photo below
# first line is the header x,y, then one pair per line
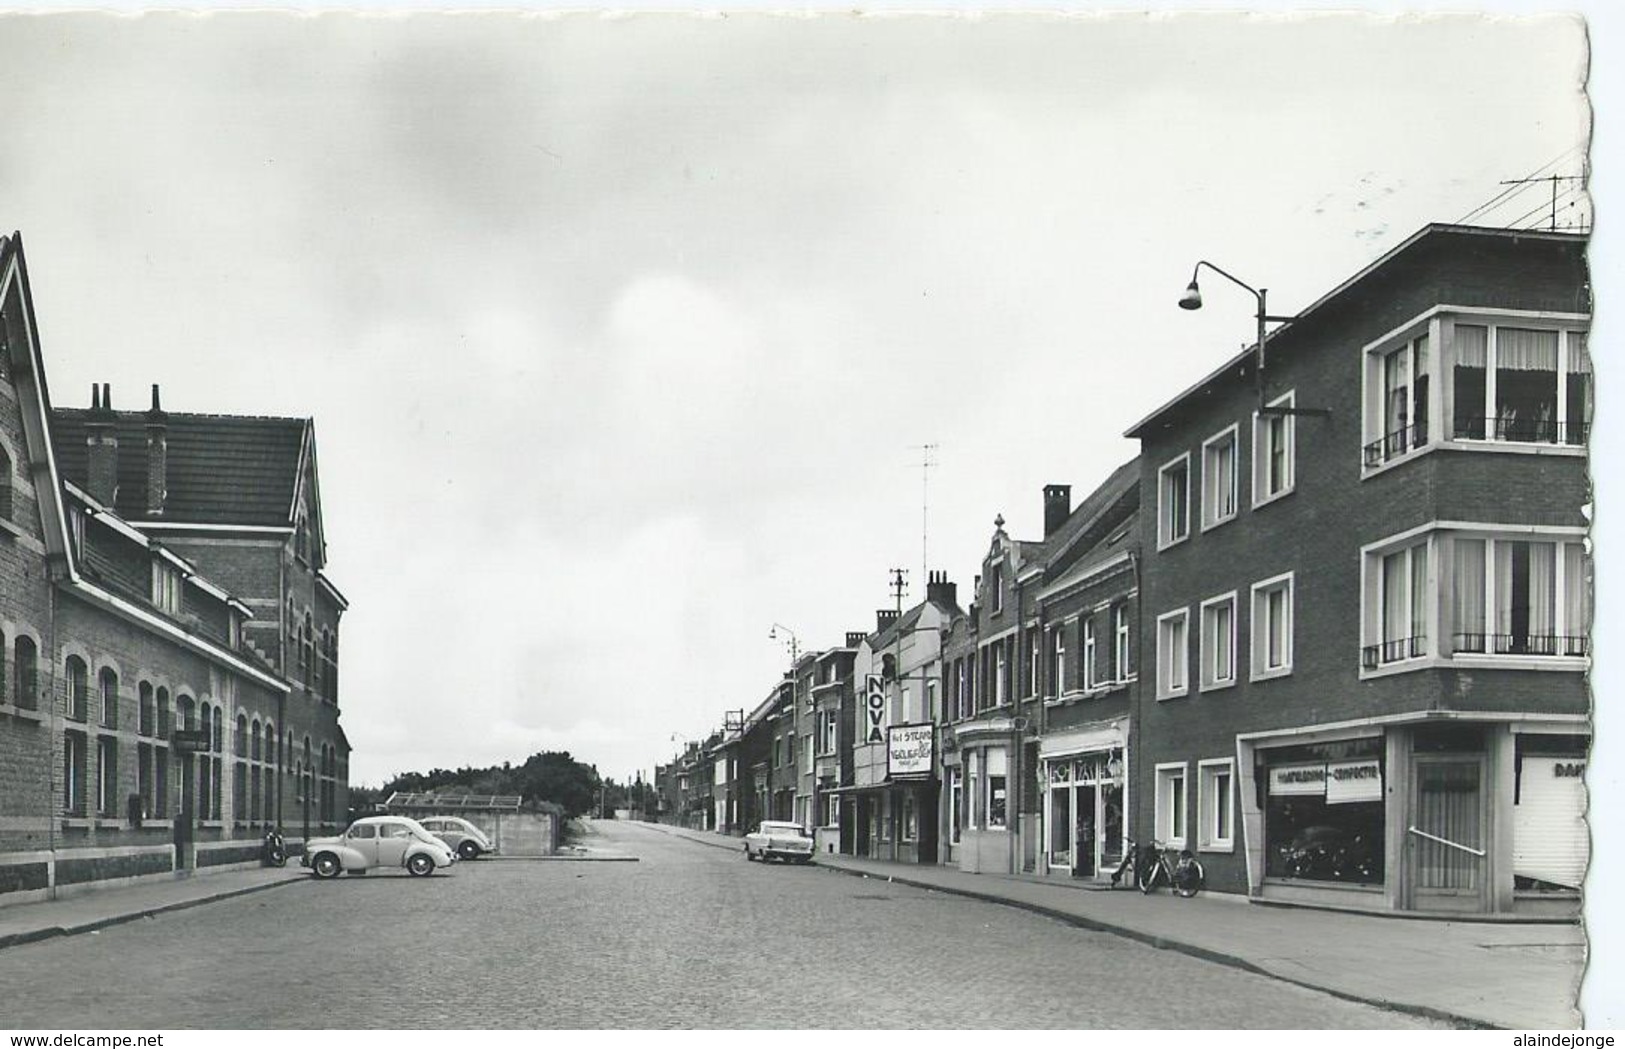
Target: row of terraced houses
x,y
168,632
1329,630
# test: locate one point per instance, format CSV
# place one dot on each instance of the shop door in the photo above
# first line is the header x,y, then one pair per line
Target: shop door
x,y
1060,828
1111,825
1445,835
1083,848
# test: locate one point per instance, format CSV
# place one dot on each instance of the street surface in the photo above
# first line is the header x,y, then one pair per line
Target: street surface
x,y
690,937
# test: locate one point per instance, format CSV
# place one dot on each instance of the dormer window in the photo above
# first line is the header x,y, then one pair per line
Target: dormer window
x,y
166,587
301,540
995,589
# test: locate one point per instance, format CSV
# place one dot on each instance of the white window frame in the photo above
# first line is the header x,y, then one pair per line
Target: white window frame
x,y
1165,689
1209,680
1208,802
1563,325
1165,534
1120,641
1211,518
1165,771
1260,639
1001,666
1089,646
1372,590
1059,631
1262,494
1035,676
166,587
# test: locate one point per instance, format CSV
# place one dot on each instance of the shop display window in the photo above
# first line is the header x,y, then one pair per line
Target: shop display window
x,y
1323,812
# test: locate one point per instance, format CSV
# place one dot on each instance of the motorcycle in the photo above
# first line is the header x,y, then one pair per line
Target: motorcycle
x,y
273,850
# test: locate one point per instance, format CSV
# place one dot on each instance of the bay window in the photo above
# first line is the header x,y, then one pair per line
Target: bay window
x,y
1402,593
1520,597
1521,384
1404,407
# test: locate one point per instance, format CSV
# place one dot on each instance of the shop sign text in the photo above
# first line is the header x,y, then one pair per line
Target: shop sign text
x,y
909,750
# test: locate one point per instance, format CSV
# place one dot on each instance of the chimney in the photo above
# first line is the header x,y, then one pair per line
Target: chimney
x,y
854,638
1057,507
884,618
157,456
101,437
939,591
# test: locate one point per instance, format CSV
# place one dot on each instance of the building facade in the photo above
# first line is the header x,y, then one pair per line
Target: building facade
x,y
1366,590
142,730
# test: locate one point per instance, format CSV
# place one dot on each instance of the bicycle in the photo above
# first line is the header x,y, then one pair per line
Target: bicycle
x,y
1184,876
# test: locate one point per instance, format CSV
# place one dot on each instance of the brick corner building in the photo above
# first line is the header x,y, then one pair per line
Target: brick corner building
x,y
160,573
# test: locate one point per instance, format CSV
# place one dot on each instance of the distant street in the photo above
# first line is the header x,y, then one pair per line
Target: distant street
x,y
689,937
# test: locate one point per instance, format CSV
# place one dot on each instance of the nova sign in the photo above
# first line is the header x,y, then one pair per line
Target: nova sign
x,y
874,709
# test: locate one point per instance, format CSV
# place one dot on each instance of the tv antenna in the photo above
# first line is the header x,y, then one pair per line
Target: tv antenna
x,y
928,453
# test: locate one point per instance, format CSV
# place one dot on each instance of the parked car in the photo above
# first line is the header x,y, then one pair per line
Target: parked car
x,y
786,841
465,839
378,841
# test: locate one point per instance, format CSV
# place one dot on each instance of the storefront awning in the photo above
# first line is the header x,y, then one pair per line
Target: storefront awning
x,y
1103,736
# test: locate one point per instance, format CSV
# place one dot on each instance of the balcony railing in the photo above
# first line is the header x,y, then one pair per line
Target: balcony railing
x,y
1393,651
1392,445
1529,431
1524,644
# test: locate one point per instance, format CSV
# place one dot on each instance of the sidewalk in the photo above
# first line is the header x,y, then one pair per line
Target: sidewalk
x,y
95,909
1519,976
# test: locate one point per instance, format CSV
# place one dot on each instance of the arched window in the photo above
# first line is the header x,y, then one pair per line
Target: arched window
x,y
218,740
109,698
185,713
239,741
307,647
254,741
165,723
144,709
77,684
25,668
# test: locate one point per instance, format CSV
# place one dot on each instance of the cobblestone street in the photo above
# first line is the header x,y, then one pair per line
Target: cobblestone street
x,y
690,937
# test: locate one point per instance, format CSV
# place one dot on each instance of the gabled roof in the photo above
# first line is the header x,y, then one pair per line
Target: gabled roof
x,y
1124,482
221,469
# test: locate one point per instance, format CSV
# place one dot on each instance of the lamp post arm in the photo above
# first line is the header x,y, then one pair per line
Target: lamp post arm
x,y
1232,278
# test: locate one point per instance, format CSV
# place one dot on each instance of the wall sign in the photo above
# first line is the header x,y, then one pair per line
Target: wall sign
x,y
1569,769
1348,781
1297,779
875,709
909,750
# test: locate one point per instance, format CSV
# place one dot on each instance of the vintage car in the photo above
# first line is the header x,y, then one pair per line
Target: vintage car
x,y
378,841
785,841
465,839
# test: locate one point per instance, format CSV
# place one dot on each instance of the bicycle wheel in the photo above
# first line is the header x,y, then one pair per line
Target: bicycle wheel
x,y
1188,882
1147,879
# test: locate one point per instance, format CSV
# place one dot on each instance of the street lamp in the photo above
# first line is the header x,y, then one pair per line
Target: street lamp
x,y
1192,300
792,644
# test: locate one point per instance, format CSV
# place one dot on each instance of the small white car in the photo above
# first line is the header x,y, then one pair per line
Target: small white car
x,y
465,839
773,839
378,841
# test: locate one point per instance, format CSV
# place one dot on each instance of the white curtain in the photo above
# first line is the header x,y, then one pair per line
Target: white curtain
x,y
1467,590
1394,605
1519,349
1419,590
1472,345
1576,592
1542,589
1503,587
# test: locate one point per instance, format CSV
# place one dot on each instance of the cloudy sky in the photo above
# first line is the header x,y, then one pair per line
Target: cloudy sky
x,y
621,335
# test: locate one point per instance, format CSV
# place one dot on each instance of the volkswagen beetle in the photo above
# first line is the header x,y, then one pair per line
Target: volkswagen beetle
x,y
467,840
378,841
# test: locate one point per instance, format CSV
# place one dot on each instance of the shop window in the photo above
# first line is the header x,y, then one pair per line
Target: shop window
x,y
1272,627
911,827
1274,453
1323,817
1173,654
1172,804
1220,488
1174,501
1215,791
1219,642
956,802
997,793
